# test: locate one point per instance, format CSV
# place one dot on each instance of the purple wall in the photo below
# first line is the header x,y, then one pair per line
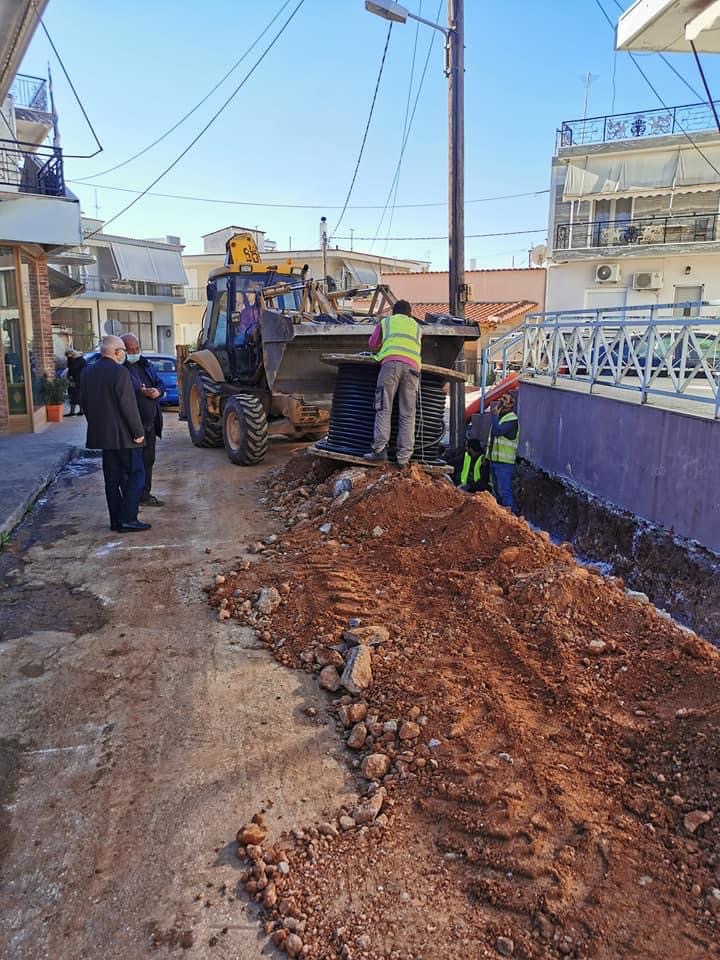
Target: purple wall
x,y
662,465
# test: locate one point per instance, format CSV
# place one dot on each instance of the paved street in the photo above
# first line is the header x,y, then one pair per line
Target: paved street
x,y
138,733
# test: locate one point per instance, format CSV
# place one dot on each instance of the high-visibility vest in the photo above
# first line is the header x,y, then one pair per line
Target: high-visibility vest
x,y
503,449
465,472
401,338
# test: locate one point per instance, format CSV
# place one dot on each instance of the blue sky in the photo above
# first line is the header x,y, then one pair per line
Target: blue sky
x,y
293,133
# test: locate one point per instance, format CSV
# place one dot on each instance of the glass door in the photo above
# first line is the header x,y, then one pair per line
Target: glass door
x,y
13,347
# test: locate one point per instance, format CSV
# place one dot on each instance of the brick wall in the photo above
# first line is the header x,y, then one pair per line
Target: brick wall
x,y
41,316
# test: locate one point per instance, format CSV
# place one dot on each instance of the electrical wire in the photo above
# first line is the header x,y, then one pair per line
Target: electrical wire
x,y
655,91
197,106
705,84
73,156
468,236
207,126
407,135
304,206
367,126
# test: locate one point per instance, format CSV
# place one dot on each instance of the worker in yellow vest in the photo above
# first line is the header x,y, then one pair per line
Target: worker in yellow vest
x,y
502,449
469,473
395,341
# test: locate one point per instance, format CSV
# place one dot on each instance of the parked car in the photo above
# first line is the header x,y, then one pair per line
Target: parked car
x,y
166,368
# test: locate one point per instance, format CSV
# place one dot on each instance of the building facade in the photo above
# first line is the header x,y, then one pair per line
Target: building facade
x,y
127,286
39,221
635,210
502,285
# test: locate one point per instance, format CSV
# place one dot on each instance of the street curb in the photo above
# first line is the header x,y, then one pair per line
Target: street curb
x,y
9,524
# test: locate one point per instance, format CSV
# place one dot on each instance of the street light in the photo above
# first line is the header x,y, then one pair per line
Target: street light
x,y
455,72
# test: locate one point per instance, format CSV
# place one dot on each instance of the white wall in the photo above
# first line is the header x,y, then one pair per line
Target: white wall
x,y
572,286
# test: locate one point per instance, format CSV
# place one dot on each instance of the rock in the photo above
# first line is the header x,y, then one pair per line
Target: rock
x,y
310,712
224,614
545,926
346,823
357,737
695,819
269,896
219,579
273,538
326,528
637,595
676,800
378,531
331,658
414,713
293,945
357,675
339,501
283,867
509,555
352,713
433,743
330,679
504,946
327,829
367,811
390,726
369,636
268,600
409,730
375,766
596,647
252,834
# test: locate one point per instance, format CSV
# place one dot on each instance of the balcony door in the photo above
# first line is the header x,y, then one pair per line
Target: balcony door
x,y
611,221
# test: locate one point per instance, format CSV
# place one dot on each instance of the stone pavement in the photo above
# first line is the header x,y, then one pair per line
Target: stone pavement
x,y
30,461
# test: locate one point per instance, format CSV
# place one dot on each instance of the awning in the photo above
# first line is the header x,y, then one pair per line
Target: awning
x,y
669,25
148,264
644,175
364,276
61,285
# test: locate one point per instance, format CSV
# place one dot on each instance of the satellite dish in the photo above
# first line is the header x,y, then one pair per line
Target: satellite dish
x,y
538,255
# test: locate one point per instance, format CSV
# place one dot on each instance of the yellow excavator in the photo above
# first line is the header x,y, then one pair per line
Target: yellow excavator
x,y
258,369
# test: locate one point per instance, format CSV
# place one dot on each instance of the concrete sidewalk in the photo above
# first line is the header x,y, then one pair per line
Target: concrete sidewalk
x,y
30,461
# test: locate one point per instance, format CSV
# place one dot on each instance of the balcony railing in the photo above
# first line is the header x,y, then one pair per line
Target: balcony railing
x,y
195,294
632,126
135,288
696,228
27,168
30,92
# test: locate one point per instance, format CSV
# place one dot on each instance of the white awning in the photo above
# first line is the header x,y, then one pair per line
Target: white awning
x,y
669,25
149,264
644,175
365,276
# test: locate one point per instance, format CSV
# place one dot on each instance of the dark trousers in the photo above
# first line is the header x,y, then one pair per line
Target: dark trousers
x,y
148,458
124,478
502,478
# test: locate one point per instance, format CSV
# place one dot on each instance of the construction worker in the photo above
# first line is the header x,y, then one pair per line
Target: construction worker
x,y
469,472
502,449
395,341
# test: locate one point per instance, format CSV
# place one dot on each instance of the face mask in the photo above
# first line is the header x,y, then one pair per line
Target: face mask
x,y
132,357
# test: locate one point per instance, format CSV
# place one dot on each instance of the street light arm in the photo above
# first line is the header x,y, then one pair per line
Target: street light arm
x,y
445,31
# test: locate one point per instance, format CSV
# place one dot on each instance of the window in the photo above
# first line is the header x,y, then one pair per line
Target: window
x,y
218,331
138,322
685,295
78,322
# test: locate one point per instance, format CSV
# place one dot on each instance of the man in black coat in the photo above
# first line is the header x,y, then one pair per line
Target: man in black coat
x,y
148,389
115,427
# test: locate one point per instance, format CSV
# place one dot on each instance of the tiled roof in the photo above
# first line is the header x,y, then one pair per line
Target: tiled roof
x,y
484,313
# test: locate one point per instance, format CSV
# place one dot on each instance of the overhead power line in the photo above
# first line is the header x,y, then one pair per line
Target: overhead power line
x,y
197,106
367,126
72,156
302,206
468,236
207,126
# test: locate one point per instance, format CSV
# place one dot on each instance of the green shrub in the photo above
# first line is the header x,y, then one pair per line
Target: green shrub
x,y
53,391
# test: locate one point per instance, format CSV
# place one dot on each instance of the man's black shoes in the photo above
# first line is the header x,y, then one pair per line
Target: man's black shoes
x,y
134,526
148,500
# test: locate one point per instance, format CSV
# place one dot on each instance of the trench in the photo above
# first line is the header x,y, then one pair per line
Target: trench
x,y
679,576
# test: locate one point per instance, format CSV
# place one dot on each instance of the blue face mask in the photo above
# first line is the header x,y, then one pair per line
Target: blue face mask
x,y
132,357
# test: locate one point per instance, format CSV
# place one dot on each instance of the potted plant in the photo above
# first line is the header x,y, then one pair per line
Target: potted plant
x,y
53,393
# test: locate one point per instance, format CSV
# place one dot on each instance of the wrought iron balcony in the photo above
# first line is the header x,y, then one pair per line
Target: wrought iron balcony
x,y
697,228
135,288
633,126
27,168
30,92
195,294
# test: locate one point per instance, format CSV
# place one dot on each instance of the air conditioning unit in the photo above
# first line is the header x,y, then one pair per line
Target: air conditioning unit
x,y
649,280
607,273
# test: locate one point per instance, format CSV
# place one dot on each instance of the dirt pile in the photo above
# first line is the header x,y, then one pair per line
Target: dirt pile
x,y
536,748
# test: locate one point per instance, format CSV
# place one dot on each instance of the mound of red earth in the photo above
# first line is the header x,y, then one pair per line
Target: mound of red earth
x,y
536,748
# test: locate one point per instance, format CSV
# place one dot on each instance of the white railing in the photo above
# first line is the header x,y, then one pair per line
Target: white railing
x,y
664,350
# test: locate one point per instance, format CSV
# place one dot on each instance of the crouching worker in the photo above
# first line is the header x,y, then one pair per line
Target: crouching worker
x,y
473,473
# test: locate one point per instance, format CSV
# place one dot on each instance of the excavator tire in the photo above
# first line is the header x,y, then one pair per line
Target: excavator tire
x,y
245,429
205,428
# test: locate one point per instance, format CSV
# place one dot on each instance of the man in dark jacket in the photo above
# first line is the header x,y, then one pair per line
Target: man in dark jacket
x,y
115,427
148,389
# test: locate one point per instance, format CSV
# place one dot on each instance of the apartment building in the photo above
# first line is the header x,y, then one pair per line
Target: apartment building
x,y
635,210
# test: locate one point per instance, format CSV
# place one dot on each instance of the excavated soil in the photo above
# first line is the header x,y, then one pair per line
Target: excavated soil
x,y
558,795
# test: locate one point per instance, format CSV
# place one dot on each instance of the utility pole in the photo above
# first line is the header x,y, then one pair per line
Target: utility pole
x,y
352,234
324,245
455,46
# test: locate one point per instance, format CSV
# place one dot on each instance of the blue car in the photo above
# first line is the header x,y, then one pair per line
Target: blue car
x,y
166,368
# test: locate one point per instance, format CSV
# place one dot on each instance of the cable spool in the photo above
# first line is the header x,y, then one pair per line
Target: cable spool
x,y
352,418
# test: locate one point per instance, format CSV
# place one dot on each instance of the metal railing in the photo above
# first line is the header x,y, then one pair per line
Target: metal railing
x,y
136,288
195,294
685,228
633,126
650,350
27,168
30,92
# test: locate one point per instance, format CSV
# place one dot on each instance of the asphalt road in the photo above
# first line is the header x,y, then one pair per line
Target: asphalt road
x,y
137,734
